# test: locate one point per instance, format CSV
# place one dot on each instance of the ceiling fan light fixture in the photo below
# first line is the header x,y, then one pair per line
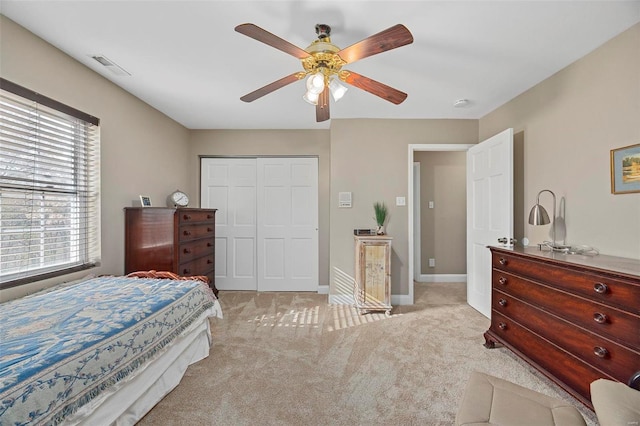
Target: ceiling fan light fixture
x,y
337,90
315,83
311,97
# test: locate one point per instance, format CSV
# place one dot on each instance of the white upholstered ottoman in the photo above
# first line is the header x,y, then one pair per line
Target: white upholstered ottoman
x,y
490,400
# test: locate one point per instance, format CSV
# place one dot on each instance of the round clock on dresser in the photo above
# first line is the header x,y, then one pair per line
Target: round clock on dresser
x,y
177,199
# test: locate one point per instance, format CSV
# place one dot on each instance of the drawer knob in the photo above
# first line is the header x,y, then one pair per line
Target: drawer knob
x,y
187,232
600,288
600,352
187,250
209,261
502,280
186,217
209,244
502,326
186,271
502,261
209,216
600,318
502,302
209,229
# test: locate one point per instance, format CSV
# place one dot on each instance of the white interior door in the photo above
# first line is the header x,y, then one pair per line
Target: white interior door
x,y
229,185
287,224
489,212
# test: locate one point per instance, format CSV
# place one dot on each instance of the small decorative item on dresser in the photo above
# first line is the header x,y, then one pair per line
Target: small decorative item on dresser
x,y
177,199
380,210
625,169
145,201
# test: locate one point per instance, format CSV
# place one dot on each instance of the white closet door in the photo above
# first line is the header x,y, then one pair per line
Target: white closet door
x,y
287,224
229,185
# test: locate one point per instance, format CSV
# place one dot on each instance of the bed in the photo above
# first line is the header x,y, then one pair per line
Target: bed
x,y
101,351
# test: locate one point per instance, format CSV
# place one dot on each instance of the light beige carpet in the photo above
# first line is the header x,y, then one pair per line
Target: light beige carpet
x,y
292,359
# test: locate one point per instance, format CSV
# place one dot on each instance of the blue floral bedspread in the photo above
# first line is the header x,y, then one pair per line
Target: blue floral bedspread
x,y
61,348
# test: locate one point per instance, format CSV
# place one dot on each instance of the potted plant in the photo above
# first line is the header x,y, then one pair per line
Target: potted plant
x,y
381,212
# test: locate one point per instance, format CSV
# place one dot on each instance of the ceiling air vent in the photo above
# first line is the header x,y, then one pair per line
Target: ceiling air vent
x,y
110,65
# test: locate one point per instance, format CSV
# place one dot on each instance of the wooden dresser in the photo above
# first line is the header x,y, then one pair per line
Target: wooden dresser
x,y
575,318
176,240
372,290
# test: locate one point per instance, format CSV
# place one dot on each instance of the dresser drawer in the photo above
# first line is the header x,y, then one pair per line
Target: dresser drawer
x,y
617,325
200,266
193,249
192,232
597,287
571,373
612,358
194,216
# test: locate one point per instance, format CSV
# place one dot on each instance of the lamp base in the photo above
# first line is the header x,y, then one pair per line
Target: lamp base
x,y
561,248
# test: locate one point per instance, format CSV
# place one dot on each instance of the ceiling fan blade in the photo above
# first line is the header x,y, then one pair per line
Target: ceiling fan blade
x,y
322,108
257,33
375,87
250,97
392,37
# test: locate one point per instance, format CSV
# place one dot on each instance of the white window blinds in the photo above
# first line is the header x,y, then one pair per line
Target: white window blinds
x,y
49,187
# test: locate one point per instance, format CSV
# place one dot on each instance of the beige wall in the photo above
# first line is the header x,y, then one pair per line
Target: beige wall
x,y
566,127
443,229
142,151
270,142
370,159
570,122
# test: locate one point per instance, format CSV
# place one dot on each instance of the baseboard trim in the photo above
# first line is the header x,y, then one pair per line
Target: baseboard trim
x,y
442,278
323,289
401,299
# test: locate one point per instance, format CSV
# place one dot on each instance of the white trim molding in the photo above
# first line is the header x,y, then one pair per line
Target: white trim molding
x,y
442,278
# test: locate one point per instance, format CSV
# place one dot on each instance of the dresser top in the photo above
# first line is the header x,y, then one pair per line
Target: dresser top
x,y
609,264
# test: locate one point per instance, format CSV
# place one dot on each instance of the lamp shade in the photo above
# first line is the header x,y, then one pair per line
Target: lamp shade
x,y
315,83
337,90
538,216
311,97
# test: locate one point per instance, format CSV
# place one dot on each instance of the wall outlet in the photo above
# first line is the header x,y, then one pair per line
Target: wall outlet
x,y
432,263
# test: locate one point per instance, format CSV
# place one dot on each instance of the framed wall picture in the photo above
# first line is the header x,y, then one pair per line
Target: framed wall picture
x,y
625,169
145,201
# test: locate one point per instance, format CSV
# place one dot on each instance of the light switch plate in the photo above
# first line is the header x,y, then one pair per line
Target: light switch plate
x,y
400,201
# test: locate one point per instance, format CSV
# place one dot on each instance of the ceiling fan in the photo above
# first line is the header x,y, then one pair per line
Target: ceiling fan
x,y
323,61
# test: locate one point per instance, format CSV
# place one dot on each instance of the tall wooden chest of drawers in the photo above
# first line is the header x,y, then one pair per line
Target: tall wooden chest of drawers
x,y
575,318
176,240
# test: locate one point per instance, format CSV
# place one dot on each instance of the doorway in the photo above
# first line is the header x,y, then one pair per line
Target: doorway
x,y
413,148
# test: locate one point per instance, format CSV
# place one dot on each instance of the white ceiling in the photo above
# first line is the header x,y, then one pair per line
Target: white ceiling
x,y
187,61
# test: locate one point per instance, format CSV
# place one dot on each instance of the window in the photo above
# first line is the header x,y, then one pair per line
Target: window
x,y
49,187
